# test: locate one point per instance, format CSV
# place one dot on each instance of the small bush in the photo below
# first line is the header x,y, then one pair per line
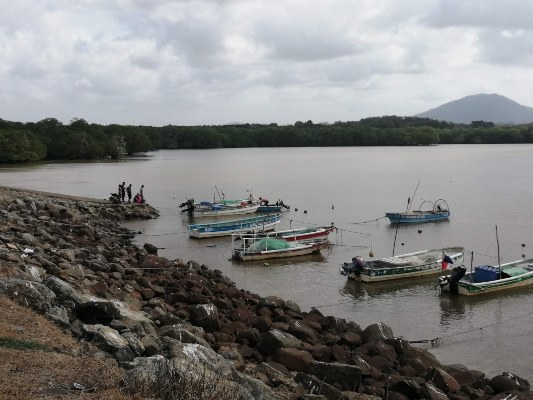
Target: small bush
x,y
168,382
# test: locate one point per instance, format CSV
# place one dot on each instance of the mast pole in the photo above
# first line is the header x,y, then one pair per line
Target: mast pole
x,y
498,244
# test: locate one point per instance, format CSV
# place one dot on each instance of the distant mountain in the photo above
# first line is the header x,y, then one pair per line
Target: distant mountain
x,y
481,107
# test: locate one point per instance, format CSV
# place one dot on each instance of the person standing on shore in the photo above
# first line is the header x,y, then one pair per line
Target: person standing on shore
x,y
141,193
128,191
119,192
123,191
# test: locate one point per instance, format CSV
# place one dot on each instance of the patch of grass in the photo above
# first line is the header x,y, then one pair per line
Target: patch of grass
x,y
22,344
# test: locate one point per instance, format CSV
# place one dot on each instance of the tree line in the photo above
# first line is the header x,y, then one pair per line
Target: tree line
x,y
50,139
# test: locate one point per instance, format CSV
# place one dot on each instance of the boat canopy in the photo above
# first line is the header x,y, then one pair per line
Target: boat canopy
x,y
268,244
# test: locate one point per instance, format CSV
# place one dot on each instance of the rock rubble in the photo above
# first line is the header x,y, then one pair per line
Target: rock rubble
x,y
70,260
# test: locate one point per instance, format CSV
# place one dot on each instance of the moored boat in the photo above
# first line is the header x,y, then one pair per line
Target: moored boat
x,y
427,212
216,209
226,228
300,234
411,265
267,248
277,207
488,278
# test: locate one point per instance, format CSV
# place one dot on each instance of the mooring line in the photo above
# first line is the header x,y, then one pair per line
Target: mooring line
x,y
439,340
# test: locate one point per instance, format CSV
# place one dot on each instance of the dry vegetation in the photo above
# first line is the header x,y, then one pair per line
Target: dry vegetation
x,y
39,361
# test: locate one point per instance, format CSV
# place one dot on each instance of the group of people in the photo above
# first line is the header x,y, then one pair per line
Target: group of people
x,y
124,191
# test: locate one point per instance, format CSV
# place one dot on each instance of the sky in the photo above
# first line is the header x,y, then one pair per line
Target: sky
x,y
215,62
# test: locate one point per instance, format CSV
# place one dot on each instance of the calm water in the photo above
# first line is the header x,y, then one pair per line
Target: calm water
x,y
484,185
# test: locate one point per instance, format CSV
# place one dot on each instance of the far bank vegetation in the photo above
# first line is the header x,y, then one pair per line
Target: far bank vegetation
x,y
50,139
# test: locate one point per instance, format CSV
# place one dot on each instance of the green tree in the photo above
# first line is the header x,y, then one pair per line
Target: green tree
x,y
20,146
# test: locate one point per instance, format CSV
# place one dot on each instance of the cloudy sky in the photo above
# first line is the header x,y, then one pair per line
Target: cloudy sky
x,y
195,62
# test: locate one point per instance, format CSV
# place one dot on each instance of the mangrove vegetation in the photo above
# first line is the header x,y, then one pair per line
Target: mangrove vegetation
x,y
50,139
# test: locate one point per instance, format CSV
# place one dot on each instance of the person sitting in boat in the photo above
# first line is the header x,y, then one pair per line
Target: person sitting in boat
x,y
263,202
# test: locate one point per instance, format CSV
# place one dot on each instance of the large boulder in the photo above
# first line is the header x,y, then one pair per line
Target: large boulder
x,y
28,293
442,380
206,316
349,377
274,339
379,331
293,359
507,382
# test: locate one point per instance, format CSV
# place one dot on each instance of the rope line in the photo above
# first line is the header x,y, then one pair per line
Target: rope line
x,y
366,222
439,340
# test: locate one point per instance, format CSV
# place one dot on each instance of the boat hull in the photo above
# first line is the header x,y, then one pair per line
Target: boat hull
x,y
403,266
267,209
301,235
228,228
223,211
417,217
300,250
467,286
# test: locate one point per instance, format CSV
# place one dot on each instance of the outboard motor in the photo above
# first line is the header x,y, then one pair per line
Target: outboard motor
x,y
355,267
453,279
359,262
457,273
189,204
282,204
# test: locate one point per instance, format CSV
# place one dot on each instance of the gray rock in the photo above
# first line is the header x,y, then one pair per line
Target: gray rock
x,y
274,339
185,333
346,376
105,338
317,387
28,293
379,331
206,316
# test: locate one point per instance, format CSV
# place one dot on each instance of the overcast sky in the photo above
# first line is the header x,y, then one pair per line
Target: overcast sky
x,y
179,62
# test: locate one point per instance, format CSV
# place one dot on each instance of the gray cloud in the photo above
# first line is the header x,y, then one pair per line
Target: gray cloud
x,y
164,62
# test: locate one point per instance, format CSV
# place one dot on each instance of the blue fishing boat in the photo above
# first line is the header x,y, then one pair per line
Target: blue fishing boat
x,y
428,212
226,228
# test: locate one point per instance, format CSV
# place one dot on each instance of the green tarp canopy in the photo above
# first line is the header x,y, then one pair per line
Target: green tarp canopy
x,y
269,244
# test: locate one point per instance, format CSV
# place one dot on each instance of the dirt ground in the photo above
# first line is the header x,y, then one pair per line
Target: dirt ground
x,y
39,361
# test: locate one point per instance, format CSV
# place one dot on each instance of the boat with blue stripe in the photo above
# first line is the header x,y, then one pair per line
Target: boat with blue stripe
x,y
437,211
226,228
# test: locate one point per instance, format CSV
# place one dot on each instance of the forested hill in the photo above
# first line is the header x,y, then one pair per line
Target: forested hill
x,y
50,139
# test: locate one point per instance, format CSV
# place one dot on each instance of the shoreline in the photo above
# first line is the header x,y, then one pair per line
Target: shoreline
x,y
68,258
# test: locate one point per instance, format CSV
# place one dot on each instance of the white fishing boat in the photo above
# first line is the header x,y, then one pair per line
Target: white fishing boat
x,y
411,265
217,209
252,249
485,279
293,235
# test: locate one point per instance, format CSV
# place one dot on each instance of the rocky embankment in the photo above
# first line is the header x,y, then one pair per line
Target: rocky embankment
x,y
70,260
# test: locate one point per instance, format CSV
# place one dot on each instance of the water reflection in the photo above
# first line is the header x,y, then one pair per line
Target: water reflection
x,y
400,287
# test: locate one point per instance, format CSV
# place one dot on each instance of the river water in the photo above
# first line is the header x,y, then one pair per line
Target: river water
x,y
485,186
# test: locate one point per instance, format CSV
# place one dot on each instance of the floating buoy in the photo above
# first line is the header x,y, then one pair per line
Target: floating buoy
x,y
420,231
305,211
523,256
523,245
295,209
332,207
403,244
